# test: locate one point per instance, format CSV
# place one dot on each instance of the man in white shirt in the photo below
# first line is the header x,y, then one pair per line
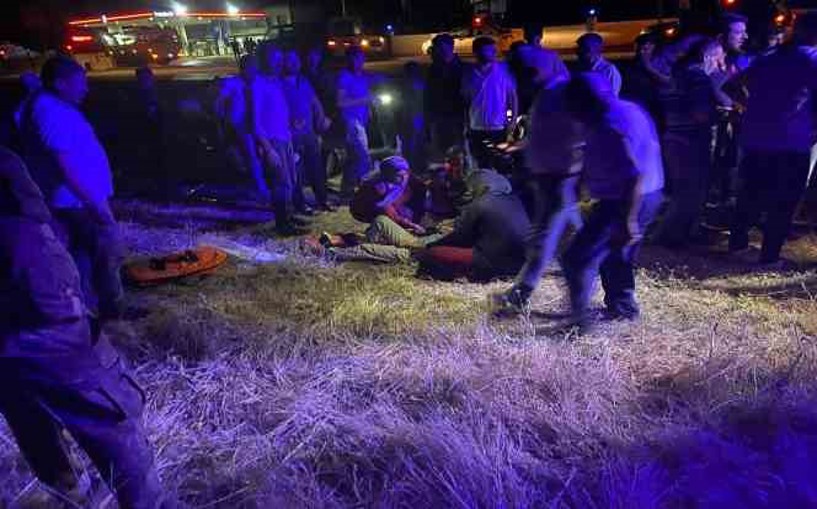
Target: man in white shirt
x,y
623,172
589,50
71,167
489,92
271,127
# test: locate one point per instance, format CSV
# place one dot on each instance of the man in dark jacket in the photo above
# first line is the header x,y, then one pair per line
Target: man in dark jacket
x,y
489,239
52,376
443,104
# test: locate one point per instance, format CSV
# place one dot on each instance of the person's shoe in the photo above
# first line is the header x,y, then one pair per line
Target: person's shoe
x,y
306,210
325,207
509,303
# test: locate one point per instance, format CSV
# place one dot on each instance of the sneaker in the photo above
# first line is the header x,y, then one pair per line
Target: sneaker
x,y
509,303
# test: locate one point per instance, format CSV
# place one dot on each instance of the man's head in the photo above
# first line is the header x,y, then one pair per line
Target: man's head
x,y
533,34
271,59
292,63
442,48
249,67
314,59
645,45
394,169
485,50
355,59
734,33
589,48
805,30
30,83
64,77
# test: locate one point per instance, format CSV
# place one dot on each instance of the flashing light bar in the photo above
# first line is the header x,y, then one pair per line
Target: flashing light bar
x,y
165,15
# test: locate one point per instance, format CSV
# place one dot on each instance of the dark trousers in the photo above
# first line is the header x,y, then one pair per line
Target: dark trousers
x,y
446,132
774,183
556,208
688,164
100,405
477,141
311,170
97,252
600,249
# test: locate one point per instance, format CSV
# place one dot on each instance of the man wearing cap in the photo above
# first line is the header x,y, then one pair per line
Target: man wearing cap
x,y
52,378
624,173
589,50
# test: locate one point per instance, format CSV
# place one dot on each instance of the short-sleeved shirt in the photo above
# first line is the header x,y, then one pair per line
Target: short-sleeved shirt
x,y
52,127
490,95
609,71
271,112
781,106
356,86
623,148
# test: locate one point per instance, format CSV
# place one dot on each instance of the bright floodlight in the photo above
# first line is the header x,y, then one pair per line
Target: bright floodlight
x,y
179,9
386,99
232,10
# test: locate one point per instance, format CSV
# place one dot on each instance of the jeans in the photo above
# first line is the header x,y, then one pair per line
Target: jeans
x,y
281,176
774,183
358,164
384,230
97,252
556,208
688,157
311,170
600,249
479,152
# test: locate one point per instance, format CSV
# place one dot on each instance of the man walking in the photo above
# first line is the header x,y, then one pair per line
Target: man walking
x,y
624,173
489,92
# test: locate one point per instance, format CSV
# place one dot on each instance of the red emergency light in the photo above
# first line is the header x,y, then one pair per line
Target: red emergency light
x,y
81,38
478,21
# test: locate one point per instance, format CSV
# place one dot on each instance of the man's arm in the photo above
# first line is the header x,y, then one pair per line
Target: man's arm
x,y
465,232
615,79
71,169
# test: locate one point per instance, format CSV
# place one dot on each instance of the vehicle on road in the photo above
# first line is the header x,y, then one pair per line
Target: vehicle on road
x,y
480,26
343,33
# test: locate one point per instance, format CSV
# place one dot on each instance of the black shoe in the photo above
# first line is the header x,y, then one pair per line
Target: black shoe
x,y
513,302
326,240
306,210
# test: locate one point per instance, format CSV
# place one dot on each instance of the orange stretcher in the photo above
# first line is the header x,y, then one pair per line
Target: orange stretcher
x,y
193,262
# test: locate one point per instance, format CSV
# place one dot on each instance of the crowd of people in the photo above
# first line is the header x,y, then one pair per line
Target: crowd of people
x,y
693,121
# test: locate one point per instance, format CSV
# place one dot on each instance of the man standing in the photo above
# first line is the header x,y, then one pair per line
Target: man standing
x,y
270,121
70,166
51,375
589,51
307,120
353,101
442,101
649,79
490,94
776,137
734,36
624,173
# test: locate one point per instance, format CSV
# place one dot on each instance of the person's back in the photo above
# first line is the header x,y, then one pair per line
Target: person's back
x,y
624,147
780,110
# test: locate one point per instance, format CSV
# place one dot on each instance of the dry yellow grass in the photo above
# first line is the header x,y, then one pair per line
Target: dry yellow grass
x,y
306,384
